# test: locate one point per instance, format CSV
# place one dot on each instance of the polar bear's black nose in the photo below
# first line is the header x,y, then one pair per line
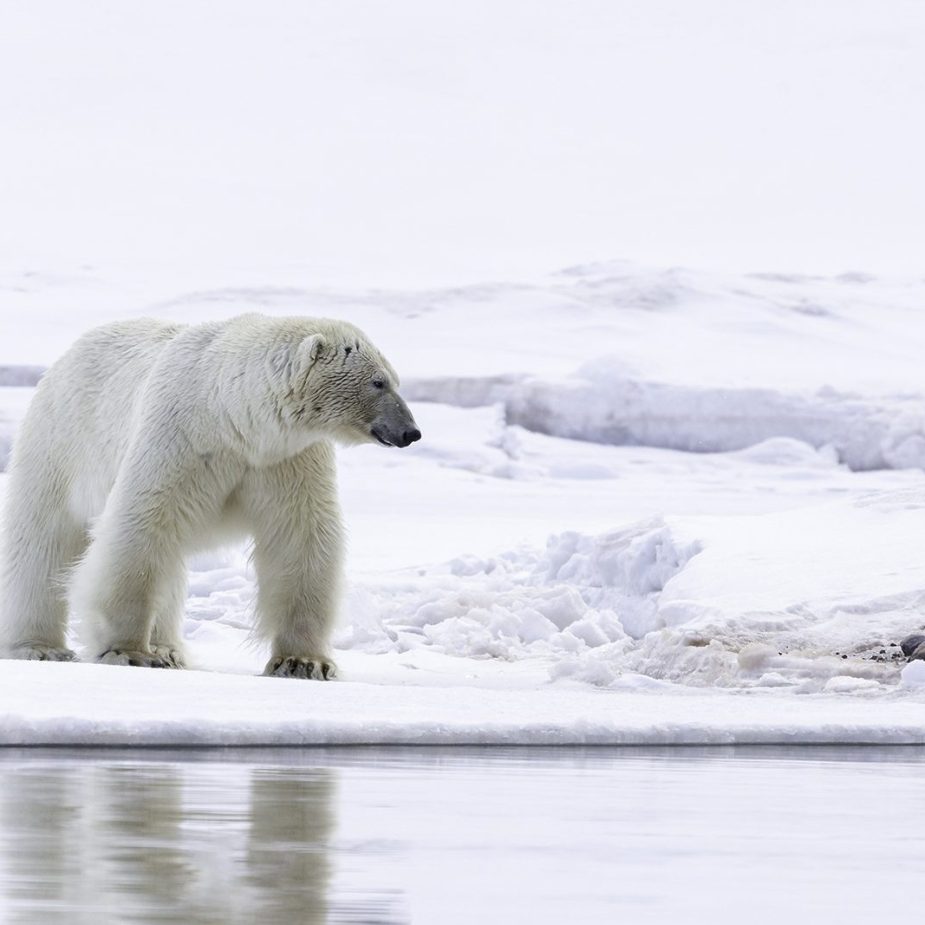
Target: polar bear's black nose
x,y
409,436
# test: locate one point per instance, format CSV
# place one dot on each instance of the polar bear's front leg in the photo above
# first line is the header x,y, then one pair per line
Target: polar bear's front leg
x,y
127,577
130,587
298,556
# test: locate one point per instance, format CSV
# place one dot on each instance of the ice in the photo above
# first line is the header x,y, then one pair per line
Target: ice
x,y
111,705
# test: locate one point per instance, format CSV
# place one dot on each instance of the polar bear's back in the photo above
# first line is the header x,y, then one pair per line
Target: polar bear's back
x,y
70,422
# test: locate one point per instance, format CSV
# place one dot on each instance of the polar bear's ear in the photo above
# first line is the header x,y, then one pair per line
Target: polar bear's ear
x,y
306,353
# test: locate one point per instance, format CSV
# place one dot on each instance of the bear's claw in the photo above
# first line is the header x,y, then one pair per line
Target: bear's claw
x,y
136,658
42,653
173,657
314,667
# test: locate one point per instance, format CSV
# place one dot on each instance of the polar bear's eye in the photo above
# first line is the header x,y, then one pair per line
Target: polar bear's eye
x,y
378,384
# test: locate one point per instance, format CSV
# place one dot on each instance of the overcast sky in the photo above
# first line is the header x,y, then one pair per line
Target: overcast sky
x,y
419,141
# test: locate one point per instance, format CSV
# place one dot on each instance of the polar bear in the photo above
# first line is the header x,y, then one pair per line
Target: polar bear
x,y
149,441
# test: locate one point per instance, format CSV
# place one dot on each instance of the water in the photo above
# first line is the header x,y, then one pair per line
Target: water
x,y
452,835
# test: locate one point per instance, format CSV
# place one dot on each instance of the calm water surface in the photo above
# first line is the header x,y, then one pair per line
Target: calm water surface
x,y
444,835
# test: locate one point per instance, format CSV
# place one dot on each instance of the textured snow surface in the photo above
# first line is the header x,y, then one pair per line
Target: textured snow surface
x,y
649,506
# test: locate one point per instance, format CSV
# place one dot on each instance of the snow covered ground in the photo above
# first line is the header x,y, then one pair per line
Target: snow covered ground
x,y
650,505
672,497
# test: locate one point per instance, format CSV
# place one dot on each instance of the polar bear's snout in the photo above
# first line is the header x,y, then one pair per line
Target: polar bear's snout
x,y
395,425
409,436
389,437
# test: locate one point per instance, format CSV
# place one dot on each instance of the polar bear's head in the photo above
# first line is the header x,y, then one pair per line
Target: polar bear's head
x,y
349,390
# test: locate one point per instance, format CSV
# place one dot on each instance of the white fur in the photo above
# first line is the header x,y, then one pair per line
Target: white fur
x,y
149,441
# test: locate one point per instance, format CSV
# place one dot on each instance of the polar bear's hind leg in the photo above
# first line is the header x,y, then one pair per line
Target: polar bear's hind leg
x,y
42,541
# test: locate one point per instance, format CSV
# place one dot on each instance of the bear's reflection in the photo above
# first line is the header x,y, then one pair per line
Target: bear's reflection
x,y
147,842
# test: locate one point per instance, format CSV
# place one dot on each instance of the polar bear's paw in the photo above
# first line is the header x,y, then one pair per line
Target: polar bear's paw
x,y
39,652
171,655
136,657
314,667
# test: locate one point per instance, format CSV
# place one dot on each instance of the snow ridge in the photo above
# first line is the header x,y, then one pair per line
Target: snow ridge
x,y
601,404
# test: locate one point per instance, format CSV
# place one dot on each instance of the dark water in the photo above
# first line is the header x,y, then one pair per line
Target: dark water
x,y
443,836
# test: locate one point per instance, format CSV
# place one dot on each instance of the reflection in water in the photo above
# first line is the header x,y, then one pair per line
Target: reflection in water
x,y
290,822
149,842
459,835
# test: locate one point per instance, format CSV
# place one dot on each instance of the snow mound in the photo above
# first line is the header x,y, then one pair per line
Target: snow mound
x,y
581,592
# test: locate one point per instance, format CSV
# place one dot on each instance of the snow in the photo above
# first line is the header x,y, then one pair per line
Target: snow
x,y
610,352
675,496
559,559
913,675
155,707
